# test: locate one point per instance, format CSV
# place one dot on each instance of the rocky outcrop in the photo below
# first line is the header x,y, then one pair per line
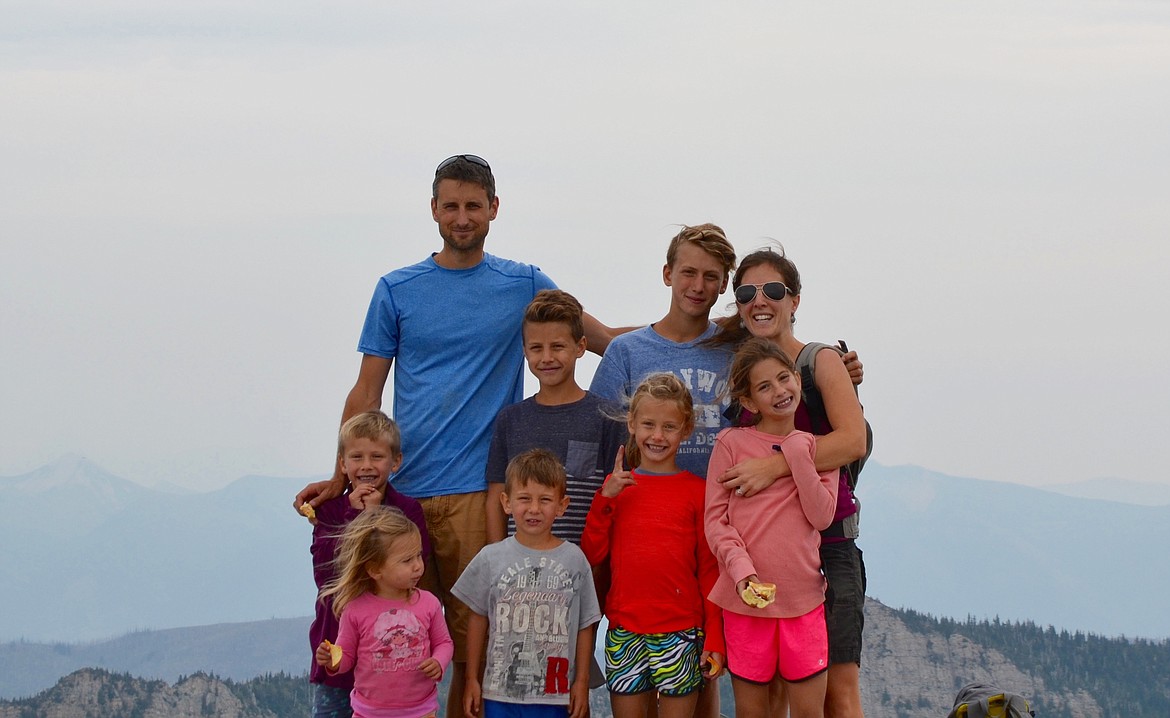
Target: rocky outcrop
x,y
905,673
90,693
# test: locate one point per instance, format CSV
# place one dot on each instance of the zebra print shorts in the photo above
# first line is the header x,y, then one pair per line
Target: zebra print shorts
x,y
666,662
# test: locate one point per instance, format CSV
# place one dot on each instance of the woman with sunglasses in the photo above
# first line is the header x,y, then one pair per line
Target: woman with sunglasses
x,y
767,295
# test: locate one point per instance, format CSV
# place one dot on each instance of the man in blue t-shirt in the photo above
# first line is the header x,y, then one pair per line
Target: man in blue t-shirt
x,y
453,321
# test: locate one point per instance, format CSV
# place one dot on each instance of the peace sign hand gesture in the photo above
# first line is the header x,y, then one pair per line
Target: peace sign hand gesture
x,y
619,479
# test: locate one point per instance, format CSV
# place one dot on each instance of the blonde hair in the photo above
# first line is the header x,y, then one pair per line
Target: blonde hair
x,y
372,425
365,544
708,237
661,387
538,466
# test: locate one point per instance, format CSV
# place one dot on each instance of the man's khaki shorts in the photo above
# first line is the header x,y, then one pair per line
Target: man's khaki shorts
x,y
457,527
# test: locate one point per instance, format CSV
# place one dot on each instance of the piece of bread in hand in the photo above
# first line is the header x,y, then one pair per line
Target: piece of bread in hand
x,y
334,654
759,594
308,511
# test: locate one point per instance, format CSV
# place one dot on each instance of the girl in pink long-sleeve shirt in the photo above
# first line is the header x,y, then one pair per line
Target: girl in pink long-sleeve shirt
x,y
771,537
392,634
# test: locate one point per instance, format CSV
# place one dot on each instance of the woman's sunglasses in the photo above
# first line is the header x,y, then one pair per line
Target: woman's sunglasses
x,y
775,291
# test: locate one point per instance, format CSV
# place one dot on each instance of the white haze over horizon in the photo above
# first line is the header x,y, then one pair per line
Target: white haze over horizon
x,y
198,200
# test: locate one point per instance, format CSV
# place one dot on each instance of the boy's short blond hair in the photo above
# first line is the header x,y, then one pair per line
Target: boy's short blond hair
x,y
708,237
556,306
538,466
373,425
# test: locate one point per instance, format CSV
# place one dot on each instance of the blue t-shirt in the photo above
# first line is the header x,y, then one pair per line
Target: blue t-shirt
x,y
633,356
455,338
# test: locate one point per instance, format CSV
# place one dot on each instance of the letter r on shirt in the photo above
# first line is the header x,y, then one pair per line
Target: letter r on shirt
x,y
556,676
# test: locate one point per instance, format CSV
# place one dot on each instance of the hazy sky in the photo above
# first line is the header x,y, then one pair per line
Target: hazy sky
x,y
198,198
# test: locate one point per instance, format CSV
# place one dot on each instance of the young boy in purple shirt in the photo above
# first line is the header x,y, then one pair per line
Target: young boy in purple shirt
x,y
369,450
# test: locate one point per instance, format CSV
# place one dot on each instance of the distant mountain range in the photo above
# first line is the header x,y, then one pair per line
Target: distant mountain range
x,y
91,555
235,651
1126,491
912,666
962,547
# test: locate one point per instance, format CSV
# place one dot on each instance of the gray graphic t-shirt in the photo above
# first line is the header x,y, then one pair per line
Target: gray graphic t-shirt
x,y
535,602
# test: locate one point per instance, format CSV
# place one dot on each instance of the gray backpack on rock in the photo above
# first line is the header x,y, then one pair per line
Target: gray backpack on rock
x,y
979,700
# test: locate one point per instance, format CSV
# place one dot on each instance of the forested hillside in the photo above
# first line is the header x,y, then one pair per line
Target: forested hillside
x,y
1124,676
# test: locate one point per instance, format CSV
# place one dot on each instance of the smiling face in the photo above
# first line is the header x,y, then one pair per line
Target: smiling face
x,y
534,507
773,395
369,462
696,279
551,352
464,213
657,427
764,317
401,570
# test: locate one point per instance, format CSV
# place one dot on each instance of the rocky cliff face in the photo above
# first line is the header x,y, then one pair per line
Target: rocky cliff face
x,y
89,693
904,673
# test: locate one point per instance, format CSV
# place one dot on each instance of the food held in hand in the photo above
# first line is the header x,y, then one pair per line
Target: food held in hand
x,y
334,649
308,511
715,665
759,594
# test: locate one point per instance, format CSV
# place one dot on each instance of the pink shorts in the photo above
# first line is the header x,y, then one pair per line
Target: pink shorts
x,y
759,647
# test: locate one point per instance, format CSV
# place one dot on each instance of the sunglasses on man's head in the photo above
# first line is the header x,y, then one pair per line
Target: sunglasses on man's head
x,y
474,159
775,291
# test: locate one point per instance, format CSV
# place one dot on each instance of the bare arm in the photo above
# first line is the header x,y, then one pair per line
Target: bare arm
x,y
477,628
496,473
598,336
846,442
366,395
579,691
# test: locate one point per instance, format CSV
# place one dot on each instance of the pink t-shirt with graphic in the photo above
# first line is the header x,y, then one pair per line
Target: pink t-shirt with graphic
x,y
384,641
